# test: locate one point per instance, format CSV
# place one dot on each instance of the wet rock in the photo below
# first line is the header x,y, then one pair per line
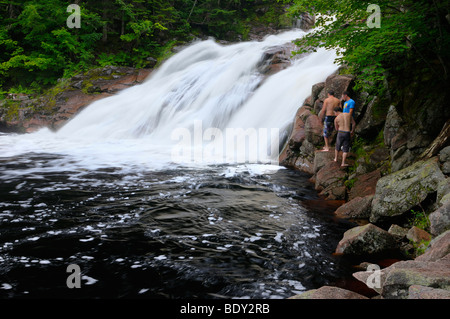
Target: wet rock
x,y
366,240
421,292
305,21
276,59
358,208
328,292
399,192
330,178
290,153
304,165
321,159
365,185
307,151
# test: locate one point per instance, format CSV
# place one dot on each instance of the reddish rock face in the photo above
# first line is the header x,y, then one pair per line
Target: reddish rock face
x,y
359,207
314,130
365,185
53,111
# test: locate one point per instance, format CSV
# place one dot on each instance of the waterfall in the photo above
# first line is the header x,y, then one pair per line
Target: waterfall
x,y
193,104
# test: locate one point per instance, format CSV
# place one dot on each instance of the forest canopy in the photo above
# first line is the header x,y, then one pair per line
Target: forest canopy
x,y
37,46
409,34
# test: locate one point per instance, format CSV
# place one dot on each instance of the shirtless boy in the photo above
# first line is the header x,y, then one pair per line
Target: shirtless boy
x,y
343,139
330,103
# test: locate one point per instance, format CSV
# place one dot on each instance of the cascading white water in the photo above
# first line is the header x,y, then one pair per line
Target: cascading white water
x,y
109,191
206,87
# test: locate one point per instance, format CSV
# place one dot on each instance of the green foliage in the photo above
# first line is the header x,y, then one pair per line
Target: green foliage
x,y
411,32
37,47
420,247
419,219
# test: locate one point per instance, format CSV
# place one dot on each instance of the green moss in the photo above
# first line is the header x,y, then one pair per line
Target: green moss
x,y
350,183
12,110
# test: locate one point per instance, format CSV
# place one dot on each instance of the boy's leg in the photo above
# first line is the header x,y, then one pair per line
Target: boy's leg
x,y
344,157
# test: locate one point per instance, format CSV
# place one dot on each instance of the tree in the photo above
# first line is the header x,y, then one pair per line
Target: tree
x,y
411,32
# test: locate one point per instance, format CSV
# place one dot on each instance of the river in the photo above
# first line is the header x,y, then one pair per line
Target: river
x,y
171,189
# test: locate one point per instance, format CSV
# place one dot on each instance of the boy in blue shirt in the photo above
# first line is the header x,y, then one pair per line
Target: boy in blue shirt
x,y
349,104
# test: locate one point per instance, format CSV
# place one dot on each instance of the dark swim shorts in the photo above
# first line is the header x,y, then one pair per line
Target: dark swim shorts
x,y
328,125
343,140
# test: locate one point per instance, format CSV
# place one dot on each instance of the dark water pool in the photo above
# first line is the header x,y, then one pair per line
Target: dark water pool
x,y
217,232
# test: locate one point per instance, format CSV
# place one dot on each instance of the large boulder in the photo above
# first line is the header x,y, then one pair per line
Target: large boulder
x,y
438,248
443,192
400,191
417,235
440,219
402,275
358,208
329,180
338,84
366,240
314,130
432,270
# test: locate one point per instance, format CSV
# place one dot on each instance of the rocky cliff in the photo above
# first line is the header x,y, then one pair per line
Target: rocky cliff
x,y
396,189
23,113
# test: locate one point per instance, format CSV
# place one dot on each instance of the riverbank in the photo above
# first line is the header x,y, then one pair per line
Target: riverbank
x,y
396,191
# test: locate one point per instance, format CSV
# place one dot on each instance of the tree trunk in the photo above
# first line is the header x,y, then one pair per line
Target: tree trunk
x,y
438,143
105,26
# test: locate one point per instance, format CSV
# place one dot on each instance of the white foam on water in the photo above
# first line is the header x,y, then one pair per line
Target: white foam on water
x,y
201,91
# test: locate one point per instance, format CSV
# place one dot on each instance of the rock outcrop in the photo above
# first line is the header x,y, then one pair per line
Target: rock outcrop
x,y
396,172
366,240
68,98
358,208
403,190
425,277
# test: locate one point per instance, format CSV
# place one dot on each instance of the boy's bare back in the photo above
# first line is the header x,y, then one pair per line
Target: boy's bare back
x,y
343,121
330,103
